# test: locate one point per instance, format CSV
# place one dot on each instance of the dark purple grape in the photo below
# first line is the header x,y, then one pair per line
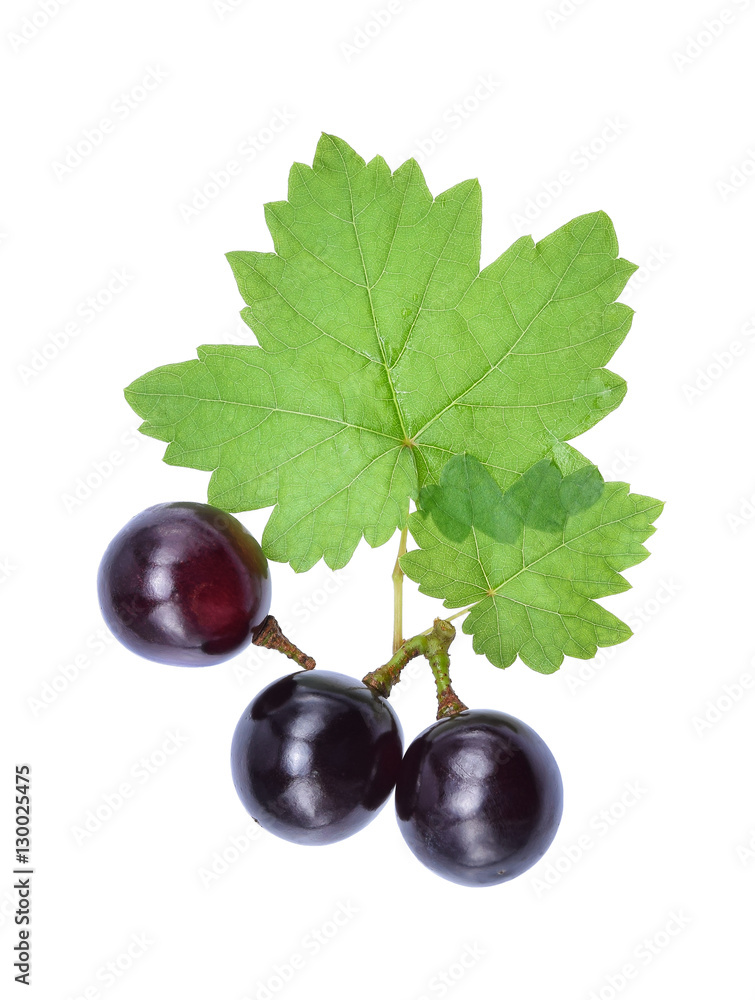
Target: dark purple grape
x,y
315,756
479,797
184,583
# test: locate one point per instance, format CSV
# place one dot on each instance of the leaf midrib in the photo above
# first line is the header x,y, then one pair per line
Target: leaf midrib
x,y
384,362
523,333
276,409
368,288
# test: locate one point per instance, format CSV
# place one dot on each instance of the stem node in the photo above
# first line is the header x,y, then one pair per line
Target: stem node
x,y
440,638
434,646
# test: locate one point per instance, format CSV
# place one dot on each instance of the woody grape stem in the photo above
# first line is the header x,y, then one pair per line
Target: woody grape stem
x,y
268,633
433,646
384,678
440,638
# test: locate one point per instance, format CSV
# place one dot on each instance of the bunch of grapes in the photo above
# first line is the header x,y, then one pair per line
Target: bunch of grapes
x,y
316,754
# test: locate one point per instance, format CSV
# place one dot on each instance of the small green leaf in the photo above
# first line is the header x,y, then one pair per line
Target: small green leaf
x,y
534,598
536,497
581,489
468,497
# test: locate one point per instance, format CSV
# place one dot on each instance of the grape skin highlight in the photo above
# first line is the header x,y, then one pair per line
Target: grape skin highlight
x,y
184,583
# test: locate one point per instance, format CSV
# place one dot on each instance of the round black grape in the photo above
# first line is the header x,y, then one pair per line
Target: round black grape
x,y
184,583
315,756
479,797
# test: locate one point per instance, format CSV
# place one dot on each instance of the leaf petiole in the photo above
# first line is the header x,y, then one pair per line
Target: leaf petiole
x,y
398,594
464,611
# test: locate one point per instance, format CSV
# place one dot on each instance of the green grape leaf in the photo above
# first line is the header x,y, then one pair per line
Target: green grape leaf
x,y
383,350
530,589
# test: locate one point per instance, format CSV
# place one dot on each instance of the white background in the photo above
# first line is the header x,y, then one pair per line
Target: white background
x,y
84,714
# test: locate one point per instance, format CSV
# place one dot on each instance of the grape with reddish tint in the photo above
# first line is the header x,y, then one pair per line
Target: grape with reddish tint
x,y
184,583
479,797
315,756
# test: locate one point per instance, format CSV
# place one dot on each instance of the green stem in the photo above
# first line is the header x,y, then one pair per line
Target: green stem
x,y
440,638
434,646
464,611
268,634
398,595
384,678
